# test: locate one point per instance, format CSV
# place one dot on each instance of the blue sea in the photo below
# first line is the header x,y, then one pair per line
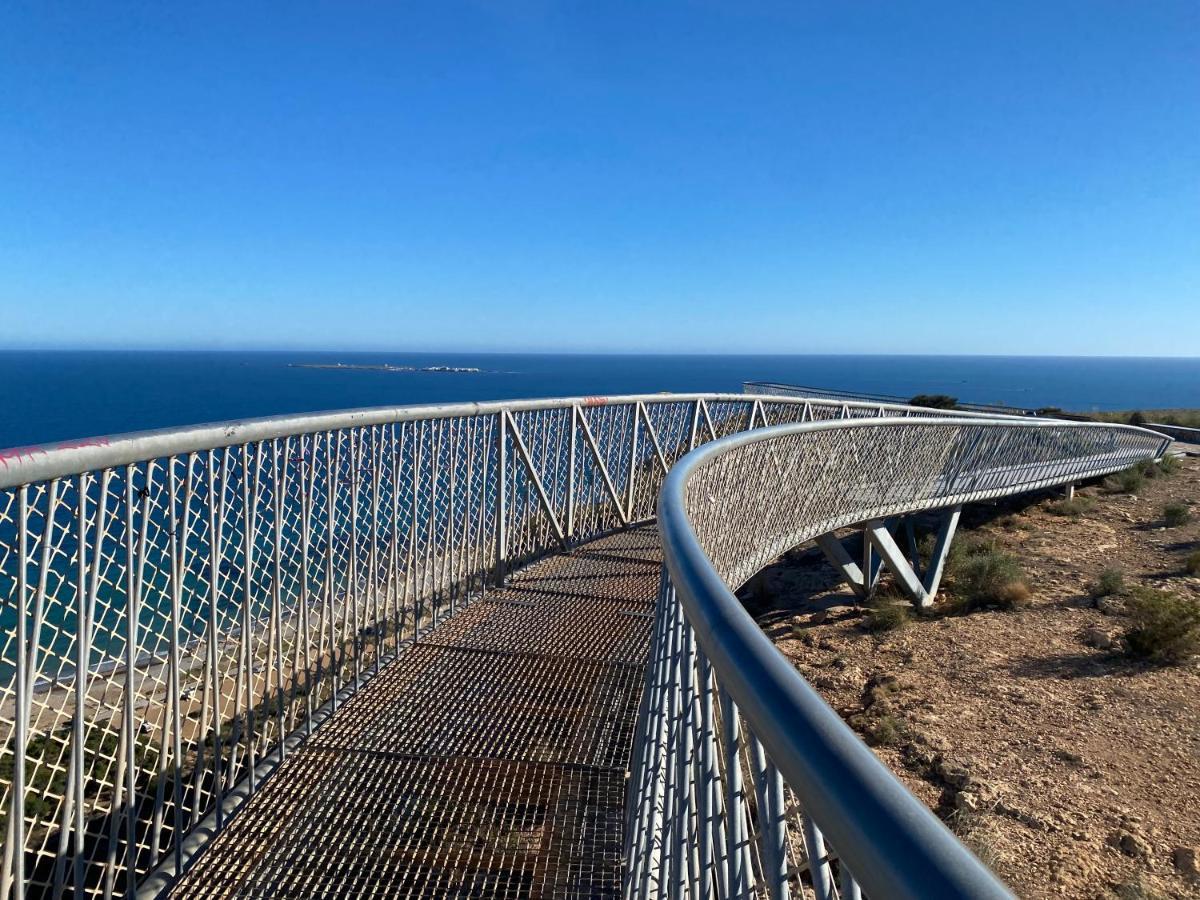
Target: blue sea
x,y
57,395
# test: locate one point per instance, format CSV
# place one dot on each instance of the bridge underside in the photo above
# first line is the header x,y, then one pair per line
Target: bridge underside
x,y
487,761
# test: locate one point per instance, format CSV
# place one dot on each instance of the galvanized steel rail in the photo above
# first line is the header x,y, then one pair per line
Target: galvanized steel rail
x,y
745,783
181,608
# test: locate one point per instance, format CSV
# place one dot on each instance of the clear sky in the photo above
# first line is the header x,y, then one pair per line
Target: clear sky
x,y
941,177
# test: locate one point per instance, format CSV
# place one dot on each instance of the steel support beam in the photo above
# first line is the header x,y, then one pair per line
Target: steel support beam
x,y
881,540
921,590
836,553
941,549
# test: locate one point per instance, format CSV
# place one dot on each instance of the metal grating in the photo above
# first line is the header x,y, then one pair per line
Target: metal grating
x,y
487,761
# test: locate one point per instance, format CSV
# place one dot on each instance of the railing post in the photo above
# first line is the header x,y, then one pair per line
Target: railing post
x,y
571,475
501,495
739,874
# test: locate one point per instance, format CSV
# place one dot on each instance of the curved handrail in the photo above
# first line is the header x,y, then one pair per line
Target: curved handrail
x,y
727,509
40,462
236,579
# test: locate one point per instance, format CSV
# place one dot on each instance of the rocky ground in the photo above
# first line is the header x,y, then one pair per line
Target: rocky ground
x,y
1070,769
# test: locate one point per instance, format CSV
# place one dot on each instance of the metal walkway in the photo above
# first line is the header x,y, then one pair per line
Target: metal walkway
x,y
489,760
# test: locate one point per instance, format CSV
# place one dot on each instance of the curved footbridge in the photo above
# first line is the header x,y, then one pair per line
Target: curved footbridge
x,y
445,652
489,760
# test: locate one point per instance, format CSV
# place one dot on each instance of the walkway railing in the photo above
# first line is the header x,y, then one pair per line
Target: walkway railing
x,y
744,780
181,607
777,389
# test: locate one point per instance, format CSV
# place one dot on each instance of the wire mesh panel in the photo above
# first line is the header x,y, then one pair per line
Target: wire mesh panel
x,y
744,783
180,607
176,603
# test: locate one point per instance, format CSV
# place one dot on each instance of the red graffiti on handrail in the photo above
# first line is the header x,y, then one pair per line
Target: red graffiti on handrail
x,y
13,453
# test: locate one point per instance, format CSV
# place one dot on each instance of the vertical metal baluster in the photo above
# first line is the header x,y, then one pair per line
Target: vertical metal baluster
x,y
14,849
818,860
470,534
671,880
328,614
349,606
373,581
134,580
772,822
633,451
83,655
249,530
216,524
501,496
353,588
393,595
279,488
571,449
451,543
689,833
308,480
431,544
177,561
640,811
850,888
411,568
712,831
740,876
477,507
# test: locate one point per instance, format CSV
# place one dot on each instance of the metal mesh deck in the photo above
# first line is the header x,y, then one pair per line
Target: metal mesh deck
x,y
487,761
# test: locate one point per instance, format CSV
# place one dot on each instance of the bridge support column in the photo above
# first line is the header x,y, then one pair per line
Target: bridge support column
x,y
880,538
921,590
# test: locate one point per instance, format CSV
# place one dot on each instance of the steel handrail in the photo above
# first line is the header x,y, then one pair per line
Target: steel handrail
x,y
888,842
235,576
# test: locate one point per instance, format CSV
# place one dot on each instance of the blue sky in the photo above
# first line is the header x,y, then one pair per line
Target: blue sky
x,y
1014,177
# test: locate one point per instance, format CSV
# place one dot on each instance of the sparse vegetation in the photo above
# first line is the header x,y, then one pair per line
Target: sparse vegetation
x,y
1169,465
1136,889
1109,583
1127,481
982,575
1191,565
886,731
1176,513
1166,627
1074,507
887,612
935,401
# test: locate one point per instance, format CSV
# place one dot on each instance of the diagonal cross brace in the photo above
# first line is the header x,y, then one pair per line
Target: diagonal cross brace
x,y
878,539
921,591
843,562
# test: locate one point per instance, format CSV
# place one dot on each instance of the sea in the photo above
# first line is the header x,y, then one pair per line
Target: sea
x,y
66,394
60,395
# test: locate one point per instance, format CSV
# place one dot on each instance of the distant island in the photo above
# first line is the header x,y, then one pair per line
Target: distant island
x,y
387,367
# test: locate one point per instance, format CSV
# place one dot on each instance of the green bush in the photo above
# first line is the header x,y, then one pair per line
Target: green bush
x,y
887,613
1176,513
1137,418
1109,583
982,575
1127,481
1192,563
886,731
1166,627
934,401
